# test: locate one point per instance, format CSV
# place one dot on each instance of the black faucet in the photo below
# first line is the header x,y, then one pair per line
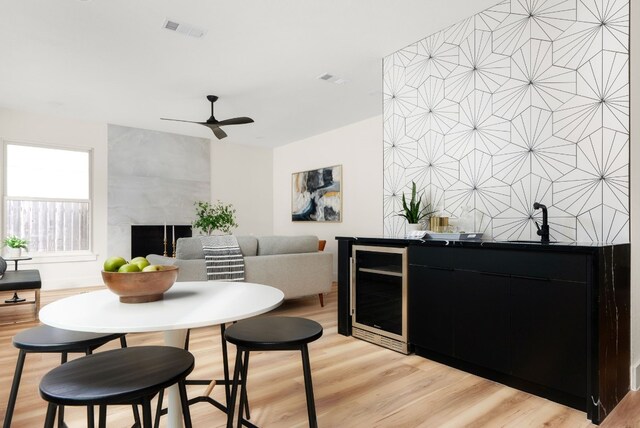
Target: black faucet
x,y
543,231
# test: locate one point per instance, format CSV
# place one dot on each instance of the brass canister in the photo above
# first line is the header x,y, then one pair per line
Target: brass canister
x,y
439,224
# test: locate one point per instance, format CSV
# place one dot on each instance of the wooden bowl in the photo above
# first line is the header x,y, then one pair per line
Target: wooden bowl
x,y
140,287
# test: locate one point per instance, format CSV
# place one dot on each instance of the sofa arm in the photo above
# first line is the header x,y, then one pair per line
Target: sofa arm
x,y
156,259
296,275
189,270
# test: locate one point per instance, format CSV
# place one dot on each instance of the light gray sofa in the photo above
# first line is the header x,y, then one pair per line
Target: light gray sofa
x,y
292,264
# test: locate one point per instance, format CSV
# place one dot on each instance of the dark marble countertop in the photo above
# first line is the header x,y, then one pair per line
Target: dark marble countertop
x,y
475,243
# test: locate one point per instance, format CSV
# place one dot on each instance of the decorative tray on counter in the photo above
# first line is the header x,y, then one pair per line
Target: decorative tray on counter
x,y
457,236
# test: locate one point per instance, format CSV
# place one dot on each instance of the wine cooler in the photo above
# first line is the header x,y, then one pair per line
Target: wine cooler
x,y
379,296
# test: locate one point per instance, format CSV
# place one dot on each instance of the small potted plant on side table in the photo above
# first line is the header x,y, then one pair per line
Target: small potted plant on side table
x,y
15,245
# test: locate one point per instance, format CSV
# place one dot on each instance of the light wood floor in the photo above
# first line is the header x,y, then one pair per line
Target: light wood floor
x,y
356,384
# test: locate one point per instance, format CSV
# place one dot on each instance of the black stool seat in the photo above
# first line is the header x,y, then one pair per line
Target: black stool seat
x,y
271,334
44,339
121,376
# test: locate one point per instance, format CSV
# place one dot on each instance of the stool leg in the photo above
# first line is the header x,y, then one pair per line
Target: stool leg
x,y
146,413
156,424
186,414
225,364
136,414
90,415
51,416
102,416
63,359
308,387
14,389
186,340
234,389
243,386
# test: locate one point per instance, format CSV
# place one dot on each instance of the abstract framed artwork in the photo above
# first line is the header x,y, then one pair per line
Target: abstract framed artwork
x,y
316,195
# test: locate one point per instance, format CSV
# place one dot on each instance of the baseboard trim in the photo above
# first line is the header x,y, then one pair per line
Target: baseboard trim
x,y
635,376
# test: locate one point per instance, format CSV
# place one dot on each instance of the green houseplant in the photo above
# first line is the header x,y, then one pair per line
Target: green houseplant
x,y
413,212
212,217
15,245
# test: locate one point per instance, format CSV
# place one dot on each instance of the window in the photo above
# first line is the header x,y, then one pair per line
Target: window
x,y
47,197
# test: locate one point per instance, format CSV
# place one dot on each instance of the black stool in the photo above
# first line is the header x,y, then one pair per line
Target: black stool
x,y
45,339
271,334
120,376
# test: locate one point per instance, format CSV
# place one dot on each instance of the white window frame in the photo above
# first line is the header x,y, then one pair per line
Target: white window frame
x,y
52,256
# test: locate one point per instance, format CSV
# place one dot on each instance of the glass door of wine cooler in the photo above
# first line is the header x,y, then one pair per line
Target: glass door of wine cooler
x,y
379,290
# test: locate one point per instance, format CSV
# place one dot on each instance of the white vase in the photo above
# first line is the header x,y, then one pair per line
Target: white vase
x,y
413,226
14,252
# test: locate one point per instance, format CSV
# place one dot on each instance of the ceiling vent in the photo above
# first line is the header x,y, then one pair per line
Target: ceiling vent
x,y
183,28
332,78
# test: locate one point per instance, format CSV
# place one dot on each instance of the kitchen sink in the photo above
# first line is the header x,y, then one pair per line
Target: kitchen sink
x,y
530,242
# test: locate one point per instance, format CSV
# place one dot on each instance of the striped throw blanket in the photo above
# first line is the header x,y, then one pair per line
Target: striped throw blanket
x,y
223,258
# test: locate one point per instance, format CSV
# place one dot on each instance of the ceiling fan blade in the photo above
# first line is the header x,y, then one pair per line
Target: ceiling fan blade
x,y
217,131
235,121
180,120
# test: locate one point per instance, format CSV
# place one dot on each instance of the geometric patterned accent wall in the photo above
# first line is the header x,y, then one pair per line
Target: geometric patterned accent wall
x,y
525,102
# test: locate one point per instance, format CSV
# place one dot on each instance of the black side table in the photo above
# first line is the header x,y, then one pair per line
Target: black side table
x,y
15,260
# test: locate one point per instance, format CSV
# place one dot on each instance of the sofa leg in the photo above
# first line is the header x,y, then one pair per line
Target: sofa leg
x,y
321,296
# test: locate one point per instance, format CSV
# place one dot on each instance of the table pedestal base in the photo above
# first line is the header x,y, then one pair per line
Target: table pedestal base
x,y
176,339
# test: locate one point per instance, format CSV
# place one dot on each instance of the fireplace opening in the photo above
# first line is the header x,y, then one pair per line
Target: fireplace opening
x,y
149,239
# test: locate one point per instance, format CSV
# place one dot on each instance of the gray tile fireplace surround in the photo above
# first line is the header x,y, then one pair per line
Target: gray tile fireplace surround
x,y
154,178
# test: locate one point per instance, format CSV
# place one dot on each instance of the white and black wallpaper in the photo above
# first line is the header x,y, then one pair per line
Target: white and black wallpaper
x,y
525,102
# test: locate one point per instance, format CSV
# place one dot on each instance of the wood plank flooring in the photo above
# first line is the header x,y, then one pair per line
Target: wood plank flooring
x,y
356,384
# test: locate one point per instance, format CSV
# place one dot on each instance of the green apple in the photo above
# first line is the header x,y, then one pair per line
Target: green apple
x,y
140,261
129,268
152,268
112,264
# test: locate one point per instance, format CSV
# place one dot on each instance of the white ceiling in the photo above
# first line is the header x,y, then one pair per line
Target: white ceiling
x,y
111,60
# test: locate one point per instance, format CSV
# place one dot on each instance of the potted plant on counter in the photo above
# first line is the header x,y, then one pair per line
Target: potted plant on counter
x,y
15,245
212,217
412,211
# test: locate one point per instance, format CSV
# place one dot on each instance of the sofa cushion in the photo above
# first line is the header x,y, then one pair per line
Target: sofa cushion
x,y
248,245
270,245
191,248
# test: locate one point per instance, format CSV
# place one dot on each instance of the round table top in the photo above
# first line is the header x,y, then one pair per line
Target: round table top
x,y
185,305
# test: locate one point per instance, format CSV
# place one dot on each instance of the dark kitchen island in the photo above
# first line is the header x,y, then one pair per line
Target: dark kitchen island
x,y
551,319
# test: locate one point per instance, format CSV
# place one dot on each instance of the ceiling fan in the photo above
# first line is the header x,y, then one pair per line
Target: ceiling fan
x,y
214,124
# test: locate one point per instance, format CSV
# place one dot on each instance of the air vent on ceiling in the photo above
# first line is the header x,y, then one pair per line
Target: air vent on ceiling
x,y
327,77
183,28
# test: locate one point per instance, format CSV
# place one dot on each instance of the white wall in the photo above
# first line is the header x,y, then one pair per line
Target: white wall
x,y
358,148
635,201
243,176
57,131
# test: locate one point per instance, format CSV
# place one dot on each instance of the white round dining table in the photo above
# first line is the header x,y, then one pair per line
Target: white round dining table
x,y
185,305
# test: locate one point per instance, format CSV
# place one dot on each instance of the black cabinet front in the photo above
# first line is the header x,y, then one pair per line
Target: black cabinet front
x,y
505,318
482,335
431,308
549,333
